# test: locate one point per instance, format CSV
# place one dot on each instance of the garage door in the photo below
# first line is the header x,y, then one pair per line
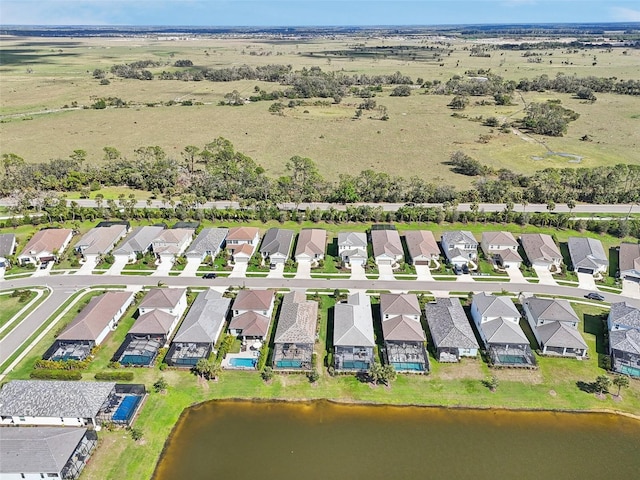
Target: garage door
x,y
585,270
384,262
421,262
632,278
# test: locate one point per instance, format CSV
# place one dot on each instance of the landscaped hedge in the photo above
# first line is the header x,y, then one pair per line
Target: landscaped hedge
x,y
62,364
120,375
56,374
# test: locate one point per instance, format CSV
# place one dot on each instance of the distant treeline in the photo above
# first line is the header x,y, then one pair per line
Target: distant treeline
x,y
314,82
218,172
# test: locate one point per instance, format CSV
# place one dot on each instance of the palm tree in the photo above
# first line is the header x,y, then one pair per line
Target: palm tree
x,y
620,382
602,384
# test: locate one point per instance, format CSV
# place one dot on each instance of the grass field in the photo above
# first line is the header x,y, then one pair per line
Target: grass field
x,y
419,136
9,306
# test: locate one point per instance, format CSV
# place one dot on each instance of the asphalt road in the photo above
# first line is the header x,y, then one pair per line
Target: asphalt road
x,y
64,286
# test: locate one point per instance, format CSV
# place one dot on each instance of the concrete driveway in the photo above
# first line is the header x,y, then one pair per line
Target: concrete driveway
x,y
465,277
630,289
545,276
43,272
423,273
277,272
191,268
586,281
118,265
386,272
239,270
357,272
304,270
88,266
515,275
163,269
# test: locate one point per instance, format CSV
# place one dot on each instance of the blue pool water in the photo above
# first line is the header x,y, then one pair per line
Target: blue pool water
x,y
634,372
289,364
419,367
126,409
243,362
356,365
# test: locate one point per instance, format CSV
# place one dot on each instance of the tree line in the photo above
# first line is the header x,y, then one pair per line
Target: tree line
x,y
217,171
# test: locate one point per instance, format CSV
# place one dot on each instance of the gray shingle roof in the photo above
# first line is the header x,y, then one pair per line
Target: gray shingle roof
x,y
208,240
559,334
587,253
386,242
548,309
395,304
501,239
540,246
353,322
7,243
155,322
421,243
459,236
277,240
93,318
629,257
37,449
163,298
622,313
625,341
449,325
495,306
51,398
99,240
203,323
352,239
501,331
298,318
252,324
138,240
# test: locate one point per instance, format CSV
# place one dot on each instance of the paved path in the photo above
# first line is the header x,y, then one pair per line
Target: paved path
x,y
545,276
191,268
357,272
386,272
304,270
239,270
586,281
277,272
515,275
423,273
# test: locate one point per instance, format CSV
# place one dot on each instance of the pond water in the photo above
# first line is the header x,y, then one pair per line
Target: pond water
x,y
323,440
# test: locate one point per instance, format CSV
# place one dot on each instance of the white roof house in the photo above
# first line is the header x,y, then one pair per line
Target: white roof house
x,y
352,247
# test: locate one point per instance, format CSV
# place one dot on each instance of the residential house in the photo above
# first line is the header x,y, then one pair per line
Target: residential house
x,y
497,320
629,262
200,329
296,333
404,338
100,241
242,242
7,248
555,325
502,248
159,314
252,310
353,338
45,245
311,245
276,245
422,247
541,251
53,402
624,338
7,244
45,452
138,242
171,243
352,248
450,329
90,327
209,242
460,247
387,247
587,255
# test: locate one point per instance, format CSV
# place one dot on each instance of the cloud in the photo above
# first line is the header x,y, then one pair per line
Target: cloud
x,y
622,14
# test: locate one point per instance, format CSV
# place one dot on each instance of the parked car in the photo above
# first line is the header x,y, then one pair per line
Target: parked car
x,y
457,269
465,269
272,266
209,276
44,265
594,296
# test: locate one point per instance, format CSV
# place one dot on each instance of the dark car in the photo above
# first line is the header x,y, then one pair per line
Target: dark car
x,y
465,269
209,276
44,265
594,296
457,269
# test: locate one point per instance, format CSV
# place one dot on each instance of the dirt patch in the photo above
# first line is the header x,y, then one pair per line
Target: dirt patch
x,y
203,383
465,369
552,393
533,377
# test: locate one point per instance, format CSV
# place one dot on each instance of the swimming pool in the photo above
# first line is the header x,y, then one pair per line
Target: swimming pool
x,y
403,366
126,409
355,365
634,372
241,362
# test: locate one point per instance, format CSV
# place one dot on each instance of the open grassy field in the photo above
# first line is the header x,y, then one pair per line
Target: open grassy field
x,y
418,137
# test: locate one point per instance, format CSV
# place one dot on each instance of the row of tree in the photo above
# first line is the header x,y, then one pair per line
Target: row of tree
x,y
218,172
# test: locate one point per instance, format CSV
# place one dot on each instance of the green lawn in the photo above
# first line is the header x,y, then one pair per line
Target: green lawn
x,y
9,306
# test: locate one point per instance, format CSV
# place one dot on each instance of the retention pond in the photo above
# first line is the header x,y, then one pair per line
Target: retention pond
x,y
320,440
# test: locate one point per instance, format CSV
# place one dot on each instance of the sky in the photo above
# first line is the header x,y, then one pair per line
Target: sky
x,y
313,12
